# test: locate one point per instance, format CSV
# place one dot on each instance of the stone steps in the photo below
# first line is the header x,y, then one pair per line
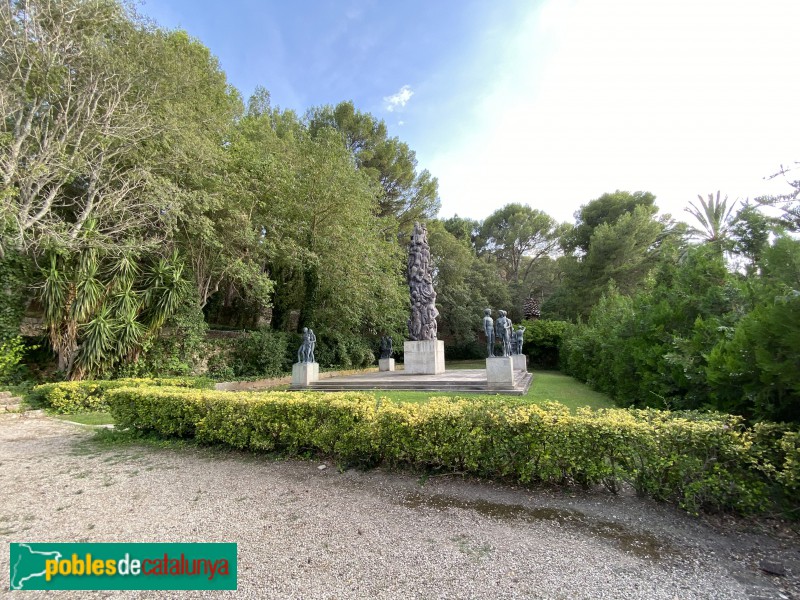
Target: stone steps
x,y
522,382
509,392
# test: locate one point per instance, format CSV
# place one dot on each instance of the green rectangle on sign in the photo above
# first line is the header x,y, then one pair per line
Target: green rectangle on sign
x,y
43,566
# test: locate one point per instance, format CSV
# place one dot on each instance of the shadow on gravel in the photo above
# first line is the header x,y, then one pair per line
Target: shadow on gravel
x,y
641,544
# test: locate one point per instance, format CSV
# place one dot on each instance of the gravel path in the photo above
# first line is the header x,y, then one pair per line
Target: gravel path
x,y
305,532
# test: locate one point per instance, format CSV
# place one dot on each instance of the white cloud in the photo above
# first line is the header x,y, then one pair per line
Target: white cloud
x,y
401,123
678,98
398,100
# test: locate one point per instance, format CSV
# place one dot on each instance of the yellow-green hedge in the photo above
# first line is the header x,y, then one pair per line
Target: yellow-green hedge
x,y
68,397
698,461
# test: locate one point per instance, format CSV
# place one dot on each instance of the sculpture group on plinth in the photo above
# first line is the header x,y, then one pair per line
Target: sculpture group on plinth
x,y
306,370
424,354
504,332
500,369
511,340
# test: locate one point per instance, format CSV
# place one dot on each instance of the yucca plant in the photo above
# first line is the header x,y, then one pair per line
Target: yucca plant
x,y
165,286
89,290
130,335
123,271
101,308
56,295
96,350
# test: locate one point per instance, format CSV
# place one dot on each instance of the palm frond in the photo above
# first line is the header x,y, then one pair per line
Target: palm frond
x,y
714,216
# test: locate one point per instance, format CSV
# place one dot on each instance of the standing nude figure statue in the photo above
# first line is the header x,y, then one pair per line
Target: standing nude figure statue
x,y
488,329
305,354
519,339
504,330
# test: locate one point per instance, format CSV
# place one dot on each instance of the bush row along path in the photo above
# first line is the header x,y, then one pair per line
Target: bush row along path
x,y
306,532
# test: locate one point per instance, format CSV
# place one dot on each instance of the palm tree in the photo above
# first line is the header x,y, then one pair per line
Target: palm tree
x,y
715,218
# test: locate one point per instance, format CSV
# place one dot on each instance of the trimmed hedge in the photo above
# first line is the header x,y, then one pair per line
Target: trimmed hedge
x,y
697,460
68,397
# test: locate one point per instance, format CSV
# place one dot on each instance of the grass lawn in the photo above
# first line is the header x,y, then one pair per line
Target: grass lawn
x,y
552,385
546,386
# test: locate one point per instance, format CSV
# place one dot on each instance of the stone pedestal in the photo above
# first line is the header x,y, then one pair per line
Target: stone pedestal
x,y
520,362
424,357
304,374
385,364
499,372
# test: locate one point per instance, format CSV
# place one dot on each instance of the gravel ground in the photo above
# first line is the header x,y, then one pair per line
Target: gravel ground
x,y
306,532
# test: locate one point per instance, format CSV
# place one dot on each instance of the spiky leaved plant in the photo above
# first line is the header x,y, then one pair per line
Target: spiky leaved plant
x,y
715,218
101,307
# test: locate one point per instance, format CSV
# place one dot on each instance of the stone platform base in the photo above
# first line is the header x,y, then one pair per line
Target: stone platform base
x,y
385,364
460,380
520,362
304,374
424,357
499,372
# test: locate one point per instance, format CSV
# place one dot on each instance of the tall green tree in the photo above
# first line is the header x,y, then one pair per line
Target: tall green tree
x,y
520,239
788,202
750,233
465,230
407,195
606,210
195,173
623,251
71,118
517,231
322,237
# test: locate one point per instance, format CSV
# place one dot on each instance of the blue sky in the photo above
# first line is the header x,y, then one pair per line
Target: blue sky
x,y
549,102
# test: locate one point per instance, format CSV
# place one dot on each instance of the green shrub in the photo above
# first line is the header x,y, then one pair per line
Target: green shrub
x,y
68,397
11,352
542,341
219,360
465,350
755,372
343,351
651,349
776,451
15,277
700,461
268,353
262,353
788,473
179,350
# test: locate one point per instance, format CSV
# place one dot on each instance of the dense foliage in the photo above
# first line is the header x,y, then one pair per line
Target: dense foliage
x,y
543,342
143,187
699,336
